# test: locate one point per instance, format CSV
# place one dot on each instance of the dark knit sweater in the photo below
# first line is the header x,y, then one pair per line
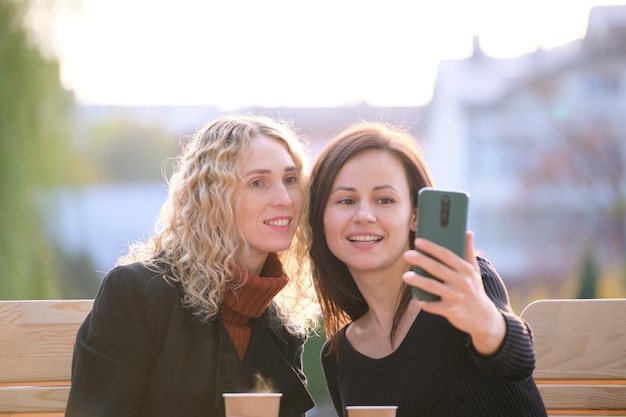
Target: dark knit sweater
x,y
435,372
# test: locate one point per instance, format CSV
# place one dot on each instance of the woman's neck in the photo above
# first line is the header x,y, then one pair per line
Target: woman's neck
x,y
253,263
382,292
371,333
381,289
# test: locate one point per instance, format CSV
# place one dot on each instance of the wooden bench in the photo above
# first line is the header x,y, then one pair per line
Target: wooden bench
x,y
581,355
36,343
580,345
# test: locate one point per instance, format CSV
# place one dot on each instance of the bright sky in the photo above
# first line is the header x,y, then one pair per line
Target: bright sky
x,y
236,53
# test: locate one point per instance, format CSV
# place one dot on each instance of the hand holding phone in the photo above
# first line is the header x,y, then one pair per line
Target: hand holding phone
x,y
442,219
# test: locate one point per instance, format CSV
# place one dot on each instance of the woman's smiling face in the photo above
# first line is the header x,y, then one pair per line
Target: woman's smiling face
x,y
369,213
269,198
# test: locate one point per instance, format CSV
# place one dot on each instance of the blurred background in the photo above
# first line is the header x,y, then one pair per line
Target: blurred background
x,y
521,103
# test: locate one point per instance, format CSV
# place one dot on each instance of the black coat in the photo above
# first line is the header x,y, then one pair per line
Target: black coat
x,y
140,353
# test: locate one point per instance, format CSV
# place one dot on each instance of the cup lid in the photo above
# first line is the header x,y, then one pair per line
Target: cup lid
x,y
356,407
252,394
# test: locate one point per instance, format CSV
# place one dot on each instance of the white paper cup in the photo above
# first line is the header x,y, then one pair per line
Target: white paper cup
x,y
371,410
252,404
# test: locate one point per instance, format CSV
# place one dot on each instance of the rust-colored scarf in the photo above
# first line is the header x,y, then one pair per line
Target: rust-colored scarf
x,y
249,301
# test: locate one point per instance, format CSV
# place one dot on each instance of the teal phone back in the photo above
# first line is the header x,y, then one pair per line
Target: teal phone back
x,y
441,218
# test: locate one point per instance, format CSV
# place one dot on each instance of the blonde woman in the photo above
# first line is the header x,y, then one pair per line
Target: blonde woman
x,y
219,296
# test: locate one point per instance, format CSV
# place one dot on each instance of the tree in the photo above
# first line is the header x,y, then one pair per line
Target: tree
x,y
35,153
588,287
586,170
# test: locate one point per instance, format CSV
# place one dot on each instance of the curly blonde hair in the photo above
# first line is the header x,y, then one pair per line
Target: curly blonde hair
x,y
196,237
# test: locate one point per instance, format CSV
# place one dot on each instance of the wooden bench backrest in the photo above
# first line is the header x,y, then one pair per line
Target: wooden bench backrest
x,y
581,355
36,342
580,346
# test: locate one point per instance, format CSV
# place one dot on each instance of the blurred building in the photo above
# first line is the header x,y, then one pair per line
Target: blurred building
x,y
491,120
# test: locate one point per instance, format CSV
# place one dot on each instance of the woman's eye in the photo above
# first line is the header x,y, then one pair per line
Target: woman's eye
x,y
256,183
346,201
291,180
385,200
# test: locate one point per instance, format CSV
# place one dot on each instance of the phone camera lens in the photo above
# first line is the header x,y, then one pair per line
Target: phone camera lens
x,y
445,211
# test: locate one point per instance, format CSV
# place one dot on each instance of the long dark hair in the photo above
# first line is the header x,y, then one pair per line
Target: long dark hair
x,y
339,296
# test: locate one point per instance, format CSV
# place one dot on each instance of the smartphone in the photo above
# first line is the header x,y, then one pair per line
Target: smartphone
x,y
441,218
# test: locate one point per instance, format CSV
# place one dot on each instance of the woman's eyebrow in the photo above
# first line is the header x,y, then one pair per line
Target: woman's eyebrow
x,y
257,171
352,189
384,187
342,188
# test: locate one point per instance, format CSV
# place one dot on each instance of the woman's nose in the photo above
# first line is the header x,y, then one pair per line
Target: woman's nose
x,y
282,197
364,214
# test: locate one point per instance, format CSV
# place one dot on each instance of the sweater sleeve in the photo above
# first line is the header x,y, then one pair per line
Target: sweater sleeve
x,y
515,359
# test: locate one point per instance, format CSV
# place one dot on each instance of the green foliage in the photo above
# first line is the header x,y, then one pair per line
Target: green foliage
x,y
77,274
589,277
313,369
34,143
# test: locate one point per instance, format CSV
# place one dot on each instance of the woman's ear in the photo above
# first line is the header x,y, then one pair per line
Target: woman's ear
x,y
413,224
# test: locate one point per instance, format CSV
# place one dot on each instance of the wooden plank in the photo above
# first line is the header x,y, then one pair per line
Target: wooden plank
x,y
581,355
37,338
56,414
581,381
573,397
578,413
33,399
579,339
